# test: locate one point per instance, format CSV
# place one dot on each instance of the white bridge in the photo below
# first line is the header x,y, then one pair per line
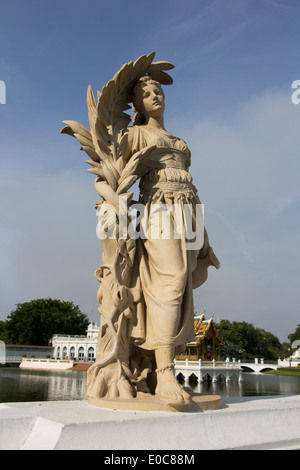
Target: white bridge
x,y
218,370
258,365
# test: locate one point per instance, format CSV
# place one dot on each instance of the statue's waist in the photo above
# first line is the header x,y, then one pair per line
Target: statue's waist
x,y
176,183
167,174
169,157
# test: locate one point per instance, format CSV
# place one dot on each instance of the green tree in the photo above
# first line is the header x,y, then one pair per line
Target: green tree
x,y
36,321
244,341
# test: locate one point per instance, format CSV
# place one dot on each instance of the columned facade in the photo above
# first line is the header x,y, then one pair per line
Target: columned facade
x,y
79,348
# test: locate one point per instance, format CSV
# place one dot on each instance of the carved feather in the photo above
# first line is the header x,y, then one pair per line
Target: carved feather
x,y
156,72
137,166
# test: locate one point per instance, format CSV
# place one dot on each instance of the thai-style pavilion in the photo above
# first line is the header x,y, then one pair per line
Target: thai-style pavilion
x,y
207,344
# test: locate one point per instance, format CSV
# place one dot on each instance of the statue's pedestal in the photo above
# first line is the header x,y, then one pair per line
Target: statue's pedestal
x,y
197,402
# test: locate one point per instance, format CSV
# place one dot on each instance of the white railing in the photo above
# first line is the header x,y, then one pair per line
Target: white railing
x,y
215,369
207,364
46,363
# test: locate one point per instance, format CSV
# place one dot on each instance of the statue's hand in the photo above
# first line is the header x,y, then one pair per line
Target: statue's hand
x,y
107,193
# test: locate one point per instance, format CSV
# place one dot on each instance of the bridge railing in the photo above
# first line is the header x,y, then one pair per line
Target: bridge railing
x,y
185,363
233,364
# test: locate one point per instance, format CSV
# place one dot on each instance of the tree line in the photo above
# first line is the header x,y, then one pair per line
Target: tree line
x,y
243,340
36,321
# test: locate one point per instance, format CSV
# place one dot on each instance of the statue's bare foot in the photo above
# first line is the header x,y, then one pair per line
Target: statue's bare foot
x,y
168,389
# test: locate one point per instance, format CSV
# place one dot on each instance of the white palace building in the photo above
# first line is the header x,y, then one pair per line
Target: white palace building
x,y
76,347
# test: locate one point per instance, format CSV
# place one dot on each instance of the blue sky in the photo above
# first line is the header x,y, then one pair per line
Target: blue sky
x,y
235,61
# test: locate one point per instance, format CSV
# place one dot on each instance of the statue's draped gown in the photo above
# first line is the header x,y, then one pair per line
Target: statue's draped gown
x,y
168,272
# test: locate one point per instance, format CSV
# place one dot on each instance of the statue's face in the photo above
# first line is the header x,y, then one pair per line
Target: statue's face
x,y
153,100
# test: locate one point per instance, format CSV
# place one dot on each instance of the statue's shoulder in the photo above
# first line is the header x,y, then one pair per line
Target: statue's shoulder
x,y
130,138
129,141
131,131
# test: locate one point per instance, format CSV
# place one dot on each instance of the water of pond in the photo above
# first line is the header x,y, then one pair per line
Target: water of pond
x,y
27,385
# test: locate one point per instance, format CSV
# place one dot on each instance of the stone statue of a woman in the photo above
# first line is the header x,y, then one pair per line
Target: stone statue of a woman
x,y
146,283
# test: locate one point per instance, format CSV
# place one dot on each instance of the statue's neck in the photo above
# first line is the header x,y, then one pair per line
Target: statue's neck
x,y
155,123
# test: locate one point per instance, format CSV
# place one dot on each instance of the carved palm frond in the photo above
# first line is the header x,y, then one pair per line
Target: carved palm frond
x,y
137,166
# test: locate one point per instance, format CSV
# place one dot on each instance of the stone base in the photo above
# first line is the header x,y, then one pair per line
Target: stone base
x,y
243,423
198,402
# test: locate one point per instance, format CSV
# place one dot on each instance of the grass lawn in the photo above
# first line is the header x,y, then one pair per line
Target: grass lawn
x,y
288,371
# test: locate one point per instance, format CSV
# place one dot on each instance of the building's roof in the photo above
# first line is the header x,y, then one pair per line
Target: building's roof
x,y
202,327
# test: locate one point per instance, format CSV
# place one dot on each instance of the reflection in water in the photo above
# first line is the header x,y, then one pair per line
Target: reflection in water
x,y
231,389
28,385
252,385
